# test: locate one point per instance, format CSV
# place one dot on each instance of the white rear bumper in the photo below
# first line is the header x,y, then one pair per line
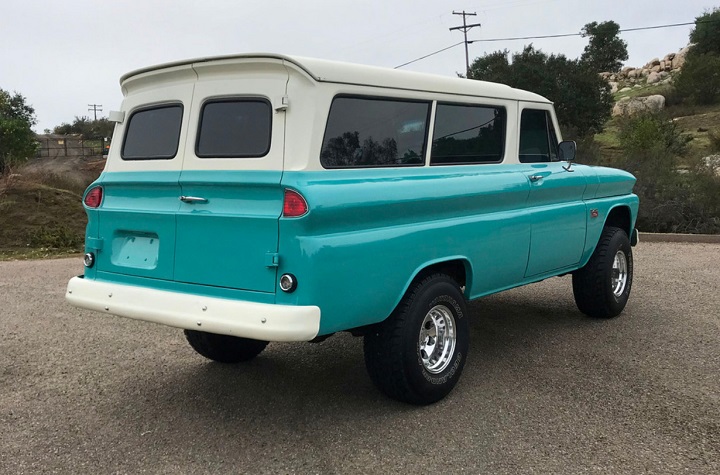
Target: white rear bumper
x,y
258,321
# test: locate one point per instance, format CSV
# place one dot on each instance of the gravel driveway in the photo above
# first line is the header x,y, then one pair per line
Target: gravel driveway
x,y
545,390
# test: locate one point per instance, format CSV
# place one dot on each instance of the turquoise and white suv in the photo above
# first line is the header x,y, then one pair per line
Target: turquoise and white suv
x,y
257,198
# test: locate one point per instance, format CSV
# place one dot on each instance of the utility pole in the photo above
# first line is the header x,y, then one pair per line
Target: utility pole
x,y
465,28
95,108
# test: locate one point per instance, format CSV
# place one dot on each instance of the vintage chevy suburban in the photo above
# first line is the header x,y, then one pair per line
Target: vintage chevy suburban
x,y
260,197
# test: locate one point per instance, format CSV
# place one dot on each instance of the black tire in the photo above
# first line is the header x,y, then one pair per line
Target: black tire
x,y
393,348
596,293
224,348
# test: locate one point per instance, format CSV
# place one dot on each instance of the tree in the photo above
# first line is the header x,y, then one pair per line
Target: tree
x,y
605,51
17,140
582,99
699,78
706,34
89,129
491,67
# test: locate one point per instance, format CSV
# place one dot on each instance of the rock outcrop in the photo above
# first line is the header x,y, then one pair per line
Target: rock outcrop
x,y
657,71
631,106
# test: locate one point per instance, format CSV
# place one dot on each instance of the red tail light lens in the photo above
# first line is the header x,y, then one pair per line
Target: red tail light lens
x,y
294,204
93,198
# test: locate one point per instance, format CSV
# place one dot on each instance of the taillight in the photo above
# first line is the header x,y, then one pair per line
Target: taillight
x,y
294,204
93,198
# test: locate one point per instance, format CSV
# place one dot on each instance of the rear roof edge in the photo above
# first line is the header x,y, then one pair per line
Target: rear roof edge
x,y
357,74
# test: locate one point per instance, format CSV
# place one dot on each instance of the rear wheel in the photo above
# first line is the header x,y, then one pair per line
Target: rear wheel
x,y
602,287
224,348
418,353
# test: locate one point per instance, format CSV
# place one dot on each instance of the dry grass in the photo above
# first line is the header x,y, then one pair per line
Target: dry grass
x,y
41,213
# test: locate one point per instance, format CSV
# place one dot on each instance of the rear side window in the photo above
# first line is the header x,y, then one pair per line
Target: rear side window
x,y
538,140
153,133
468,134
373,132
234,128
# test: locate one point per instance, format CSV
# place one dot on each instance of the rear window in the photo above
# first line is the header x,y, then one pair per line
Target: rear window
x,y
468,134
153,133
234,128
375,132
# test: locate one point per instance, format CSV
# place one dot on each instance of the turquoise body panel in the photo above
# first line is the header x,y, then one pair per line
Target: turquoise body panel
x,y
225,241
368,233
136,223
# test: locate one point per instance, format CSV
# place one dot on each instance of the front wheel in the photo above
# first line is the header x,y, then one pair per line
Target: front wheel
x,y
224,348
602,287
418,353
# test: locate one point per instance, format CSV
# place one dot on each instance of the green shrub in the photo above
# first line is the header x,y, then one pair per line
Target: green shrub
x,y
652,133
55,237
678,201
699,79
672,199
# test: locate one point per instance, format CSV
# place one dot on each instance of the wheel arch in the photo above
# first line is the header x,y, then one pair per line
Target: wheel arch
x,y
458,268
620,217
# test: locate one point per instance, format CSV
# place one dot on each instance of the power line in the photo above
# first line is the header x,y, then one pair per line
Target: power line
x,y
552,36
428,55
581,34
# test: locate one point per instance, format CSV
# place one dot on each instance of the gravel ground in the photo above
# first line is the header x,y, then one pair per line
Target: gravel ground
x,y
545,390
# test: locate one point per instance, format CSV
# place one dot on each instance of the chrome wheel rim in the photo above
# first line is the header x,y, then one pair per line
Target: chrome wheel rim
x,y
437,339
619,274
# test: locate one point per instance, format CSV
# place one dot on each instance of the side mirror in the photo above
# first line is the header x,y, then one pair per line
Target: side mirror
x,y
567,150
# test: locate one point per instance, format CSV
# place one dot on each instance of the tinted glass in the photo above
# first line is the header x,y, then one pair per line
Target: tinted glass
x,y
538,142
366,132
153,134
468,134
234,128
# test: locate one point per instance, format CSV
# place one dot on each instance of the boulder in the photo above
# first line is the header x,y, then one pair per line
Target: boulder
x,y
631,106
679,58
712,162
678,62
613,87
653,77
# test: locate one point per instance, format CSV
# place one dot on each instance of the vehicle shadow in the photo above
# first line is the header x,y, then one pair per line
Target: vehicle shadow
x,y
309,385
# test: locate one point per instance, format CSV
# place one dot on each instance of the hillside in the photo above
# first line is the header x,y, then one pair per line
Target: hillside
x,y
41,213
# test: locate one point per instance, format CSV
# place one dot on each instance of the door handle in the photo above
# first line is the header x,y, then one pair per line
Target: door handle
x,y
193,199
536,177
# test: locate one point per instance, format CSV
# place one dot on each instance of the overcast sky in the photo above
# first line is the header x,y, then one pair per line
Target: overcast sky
x,y
63,56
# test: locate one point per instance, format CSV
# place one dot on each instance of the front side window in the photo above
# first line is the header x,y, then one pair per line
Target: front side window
x,y
468,134
538,140
234,128
371,132
153,133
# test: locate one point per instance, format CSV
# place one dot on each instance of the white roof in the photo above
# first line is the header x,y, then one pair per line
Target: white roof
x,y
349,73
